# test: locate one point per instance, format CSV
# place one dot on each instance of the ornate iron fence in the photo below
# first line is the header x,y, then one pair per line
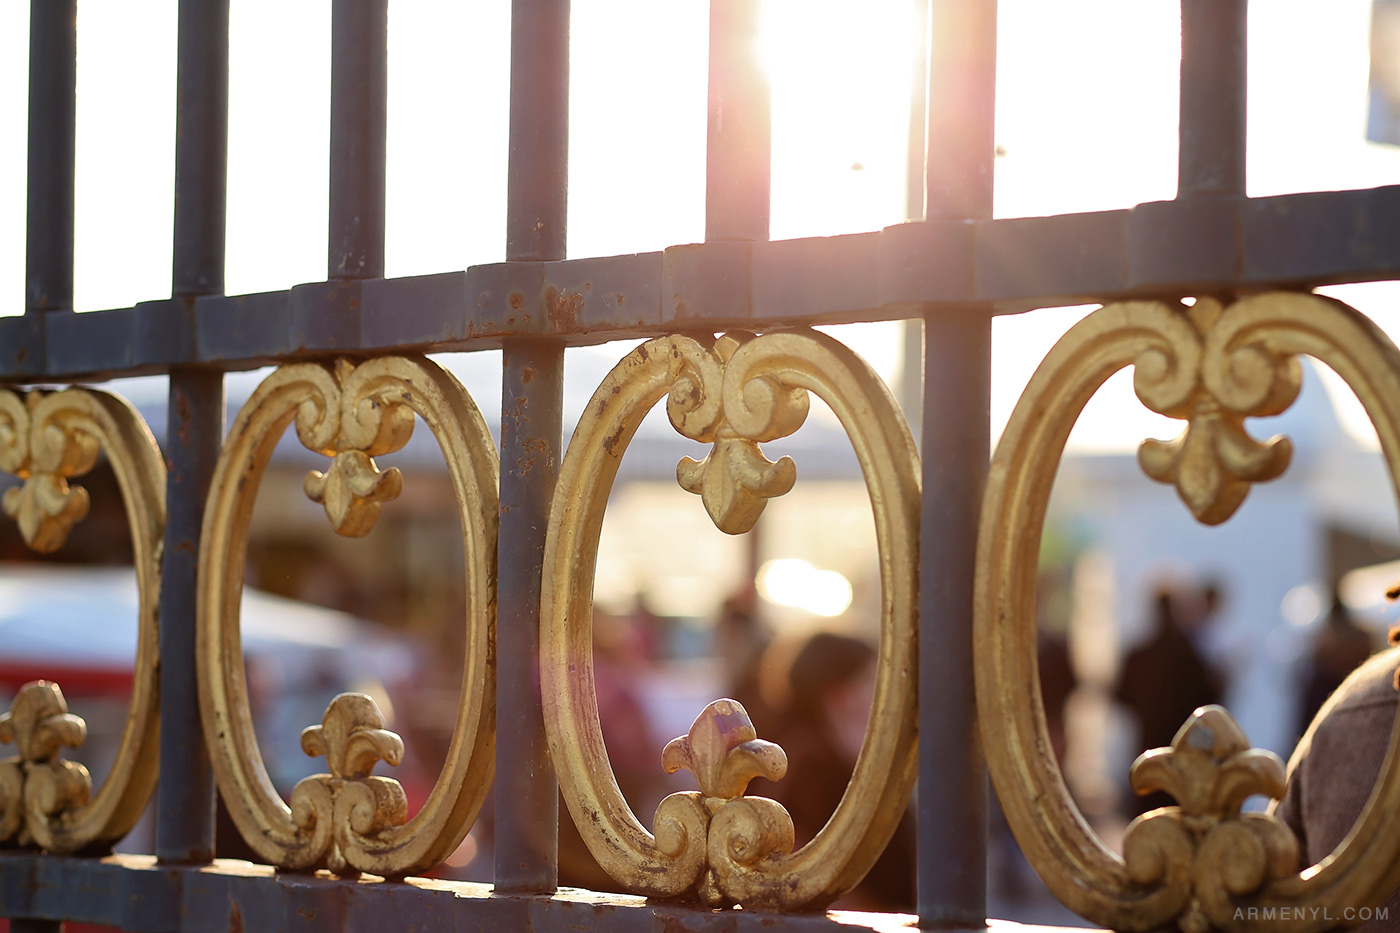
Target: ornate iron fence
x,y
958,608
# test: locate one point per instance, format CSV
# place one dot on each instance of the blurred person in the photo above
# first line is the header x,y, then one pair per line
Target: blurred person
x,y
1162,683
741,642
1225,649
829,689
1341,647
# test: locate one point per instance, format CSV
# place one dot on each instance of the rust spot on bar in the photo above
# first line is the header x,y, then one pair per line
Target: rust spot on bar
x,y
527,373
516,301
531,446
563,309
182,410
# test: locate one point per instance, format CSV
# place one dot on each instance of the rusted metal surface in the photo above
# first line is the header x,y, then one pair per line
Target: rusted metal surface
x,y
195,426
136,894
1006,265
532,398
185,798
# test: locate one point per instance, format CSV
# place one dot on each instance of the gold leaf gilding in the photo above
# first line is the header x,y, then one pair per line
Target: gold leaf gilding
x,y
718,846
39,787
735,480
349,820
352,739
1201,865
47,438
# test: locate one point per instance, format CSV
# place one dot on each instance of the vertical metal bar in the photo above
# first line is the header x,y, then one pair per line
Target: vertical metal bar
x,y
527,803
1214,42
359,113
739,150
961,106
952,770
956,443
537,183
185,798
53,76
201,148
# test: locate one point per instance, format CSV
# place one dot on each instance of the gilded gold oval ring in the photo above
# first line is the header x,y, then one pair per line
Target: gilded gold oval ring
x,y
46,438
733,393
1211,367
352,413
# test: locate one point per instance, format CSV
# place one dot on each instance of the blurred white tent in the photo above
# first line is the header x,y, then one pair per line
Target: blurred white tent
x,y
77,625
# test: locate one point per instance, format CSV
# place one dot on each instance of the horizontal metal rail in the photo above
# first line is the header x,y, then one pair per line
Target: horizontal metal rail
x,y
136,894
1187,246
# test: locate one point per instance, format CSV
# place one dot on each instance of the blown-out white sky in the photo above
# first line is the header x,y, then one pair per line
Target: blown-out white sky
x,y
1087,118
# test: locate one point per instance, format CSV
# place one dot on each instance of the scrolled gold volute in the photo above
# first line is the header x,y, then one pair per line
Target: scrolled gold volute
x,y
349,820
719,846
48,438
1200,865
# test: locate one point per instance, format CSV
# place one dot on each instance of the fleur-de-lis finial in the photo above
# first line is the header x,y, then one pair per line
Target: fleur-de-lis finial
x,y
355,417
46,508
352,738
723,751
337,812
352,491
735,480
1210,769
42,448
38,786
1214,461
39,723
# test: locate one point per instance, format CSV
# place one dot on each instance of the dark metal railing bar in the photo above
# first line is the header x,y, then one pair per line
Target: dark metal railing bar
x,y
532,392
739,151
53,76
195,427
961,104
952,792
185,794
359,113
201,149
1214,46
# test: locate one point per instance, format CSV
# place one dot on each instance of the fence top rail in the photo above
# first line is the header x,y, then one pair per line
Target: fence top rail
x,y
137,894
1186,247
